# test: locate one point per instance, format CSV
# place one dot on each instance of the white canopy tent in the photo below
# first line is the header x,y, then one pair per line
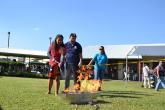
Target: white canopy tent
x,y
149,51
146,52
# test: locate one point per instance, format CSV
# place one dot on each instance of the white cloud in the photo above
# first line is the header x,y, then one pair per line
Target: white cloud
x,y
36,28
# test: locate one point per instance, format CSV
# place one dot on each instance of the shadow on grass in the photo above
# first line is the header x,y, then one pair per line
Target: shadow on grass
x,y
127,92
123,94
92,103
107,79
102,102
119,96
1,108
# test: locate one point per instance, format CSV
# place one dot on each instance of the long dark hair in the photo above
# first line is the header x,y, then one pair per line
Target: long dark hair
x,y
55,43
102,47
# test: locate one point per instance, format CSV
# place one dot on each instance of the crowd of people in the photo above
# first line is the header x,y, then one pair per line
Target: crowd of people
x,y
152,78
66,58
157,73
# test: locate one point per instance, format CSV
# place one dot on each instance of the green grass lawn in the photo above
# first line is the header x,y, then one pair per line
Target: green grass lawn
x,y
29,94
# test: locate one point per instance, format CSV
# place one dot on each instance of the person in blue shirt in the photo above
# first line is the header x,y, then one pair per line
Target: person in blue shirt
x,y
73,59
100,60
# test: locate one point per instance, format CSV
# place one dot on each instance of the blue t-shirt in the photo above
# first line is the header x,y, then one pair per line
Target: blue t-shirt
x,y
73,52
100,61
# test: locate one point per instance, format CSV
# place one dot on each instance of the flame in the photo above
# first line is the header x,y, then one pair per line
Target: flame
x,y
74,88
66,90
85,84
90,85
80,77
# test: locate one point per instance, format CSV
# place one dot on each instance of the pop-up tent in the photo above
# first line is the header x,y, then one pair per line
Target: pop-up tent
x,y
149,51
146,52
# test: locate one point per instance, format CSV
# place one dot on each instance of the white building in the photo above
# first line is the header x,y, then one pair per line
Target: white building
x,y
137,54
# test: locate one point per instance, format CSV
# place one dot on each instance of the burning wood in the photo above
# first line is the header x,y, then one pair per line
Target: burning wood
x,y
90,86
85,83
85,90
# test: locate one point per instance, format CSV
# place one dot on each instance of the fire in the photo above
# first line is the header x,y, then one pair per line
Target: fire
x,y
86,84
74,88
90,86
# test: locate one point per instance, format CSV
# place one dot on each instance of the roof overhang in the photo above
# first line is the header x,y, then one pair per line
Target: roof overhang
x,y
22,53
149,52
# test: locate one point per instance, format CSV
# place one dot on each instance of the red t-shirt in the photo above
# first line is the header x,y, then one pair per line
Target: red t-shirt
x,y
54,54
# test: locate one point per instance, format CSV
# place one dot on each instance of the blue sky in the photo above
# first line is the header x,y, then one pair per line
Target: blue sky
x,y
96,22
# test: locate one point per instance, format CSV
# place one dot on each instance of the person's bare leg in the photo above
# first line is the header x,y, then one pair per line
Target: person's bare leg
x,y
50,83
57,85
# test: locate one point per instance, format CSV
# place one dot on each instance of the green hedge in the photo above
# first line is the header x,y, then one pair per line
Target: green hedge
x,y
12,63
25,74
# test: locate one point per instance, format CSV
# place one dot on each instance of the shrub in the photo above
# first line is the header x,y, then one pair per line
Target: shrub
x,y
24,74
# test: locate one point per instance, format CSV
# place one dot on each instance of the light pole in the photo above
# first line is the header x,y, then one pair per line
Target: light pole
x,y
8,39
50,39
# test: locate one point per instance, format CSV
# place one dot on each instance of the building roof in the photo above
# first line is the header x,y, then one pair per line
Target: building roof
x,y
158,50
118,51
23,53
112,51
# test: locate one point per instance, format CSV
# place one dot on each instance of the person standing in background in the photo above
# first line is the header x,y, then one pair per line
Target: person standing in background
x,y
146,72
73,59
160,76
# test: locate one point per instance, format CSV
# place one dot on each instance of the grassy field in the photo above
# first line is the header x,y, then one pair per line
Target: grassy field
x,y
29,94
